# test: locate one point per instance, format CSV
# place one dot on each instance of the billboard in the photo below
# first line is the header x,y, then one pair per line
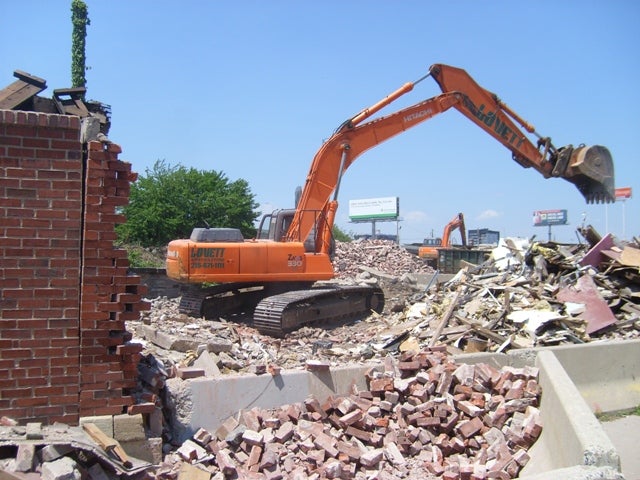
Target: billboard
x,y
623,193
385,208
542,218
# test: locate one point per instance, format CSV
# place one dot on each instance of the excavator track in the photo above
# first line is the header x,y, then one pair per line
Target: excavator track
x,y
230,298
279,314
216,300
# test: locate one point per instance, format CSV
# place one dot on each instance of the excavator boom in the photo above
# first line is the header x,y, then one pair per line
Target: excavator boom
x,y
456,222
590,169
349,142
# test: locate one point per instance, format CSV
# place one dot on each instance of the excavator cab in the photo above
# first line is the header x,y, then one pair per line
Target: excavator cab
x,y
274,226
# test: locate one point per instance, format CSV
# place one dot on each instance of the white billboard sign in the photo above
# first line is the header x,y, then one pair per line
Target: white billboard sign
x,y
374,208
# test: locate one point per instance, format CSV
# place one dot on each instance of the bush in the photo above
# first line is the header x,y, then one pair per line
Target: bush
x,y
168,202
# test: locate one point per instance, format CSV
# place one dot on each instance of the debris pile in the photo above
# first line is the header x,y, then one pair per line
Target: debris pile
x,y
526,295
539,294
63,452
351,258
423,416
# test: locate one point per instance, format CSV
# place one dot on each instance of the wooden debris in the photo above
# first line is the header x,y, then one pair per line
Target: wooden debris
x,y
107,443
447,315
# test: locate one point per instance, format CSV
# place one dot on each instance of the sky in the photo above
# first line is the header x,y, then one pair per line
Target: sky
x,y
252,88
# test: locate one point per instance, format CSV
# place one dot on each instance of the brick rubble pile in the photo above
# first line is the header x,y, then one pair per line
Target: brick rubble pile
x,y
422,417
382,255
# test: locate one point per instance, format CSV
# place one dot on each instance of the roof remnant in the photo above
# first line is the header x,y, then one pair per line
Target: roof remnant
x,y
23,95
21,90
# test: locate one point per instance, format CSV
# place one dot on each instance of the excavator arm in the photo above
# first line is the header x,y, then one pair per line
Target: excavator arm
x,y
456,222
589,168
339,152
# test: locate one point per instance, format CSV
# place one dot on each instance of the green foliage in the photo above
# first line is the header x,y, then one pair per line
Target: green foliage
x,y
611,416
168,202
80,20
340,235
141,257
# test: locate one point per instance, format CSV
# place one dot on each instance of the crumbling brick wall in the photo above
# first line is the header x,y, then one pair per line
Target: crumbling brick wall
x,y
65,292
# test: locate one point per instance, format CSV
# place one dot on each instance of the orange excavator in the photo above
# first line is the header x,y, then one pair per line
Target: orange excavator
x,y
278,276
430,252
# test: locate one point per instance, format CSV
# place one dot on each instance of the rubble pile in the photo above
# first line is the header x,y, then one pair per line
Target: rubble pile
x,y
423,416
526,295
62,452
382,255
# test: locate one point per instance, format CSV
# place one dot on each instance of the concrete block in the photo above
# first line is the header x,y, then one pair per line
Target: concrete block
x,y
62,469
24,457
103,422
207,362
148,450
155,423
52,452
218,345
34,431
127,428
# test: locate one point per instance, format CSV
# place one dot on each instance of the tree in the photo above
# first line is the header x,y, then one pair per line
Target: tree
x,y
79,20
340,235
168,202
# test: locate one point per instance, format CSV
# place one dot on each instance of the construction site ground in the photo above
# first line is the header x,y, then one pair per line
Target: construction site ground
x,y
416,299
506,314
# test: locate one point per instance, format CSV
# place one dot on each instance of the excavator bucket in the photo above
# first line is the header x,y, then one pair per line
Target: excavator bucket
x,y
590,168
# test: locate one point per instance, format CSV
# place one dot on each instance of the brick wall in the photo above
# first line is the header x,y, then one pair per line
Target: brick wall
x,y
64,290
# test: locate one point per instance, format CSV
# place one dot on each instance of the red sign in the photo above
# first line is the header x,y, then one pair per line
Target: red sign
x,y
623,192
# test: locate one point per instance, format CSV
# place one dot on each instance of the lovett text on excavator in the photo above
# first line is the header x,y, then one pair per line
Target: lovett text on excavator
x,y
279,274
429,253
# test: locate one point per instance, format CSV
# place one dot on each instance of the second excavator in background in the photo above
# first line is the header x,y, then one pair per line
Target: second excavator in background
x,y
429,251
277,277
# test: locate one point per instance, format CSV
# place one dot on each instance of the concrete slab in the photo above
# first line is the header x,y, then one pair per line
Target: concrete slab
x,y
225,397
571,434
625,435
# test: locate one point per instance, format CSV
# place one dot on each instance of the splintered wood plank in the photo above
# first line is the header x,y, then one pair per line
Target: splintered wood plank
x,y
630,257
107,443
